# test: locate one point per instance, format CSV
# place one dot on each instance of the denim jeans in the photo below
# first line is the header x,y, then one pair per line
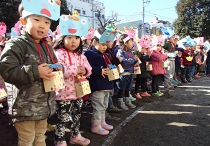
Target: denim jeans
x,y
192,71
125,82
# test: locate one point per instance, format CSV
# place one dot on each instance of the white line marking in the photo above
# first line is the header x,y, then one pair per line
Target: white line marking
x,y
117,130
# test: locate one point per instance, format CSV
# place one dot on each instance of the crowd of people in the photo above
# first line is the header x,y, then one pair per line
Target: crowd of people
x,y
112,61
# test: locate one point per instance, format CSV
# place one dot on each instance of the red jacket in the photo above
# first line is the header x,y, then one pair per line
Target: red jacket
x,y
157,59
184,61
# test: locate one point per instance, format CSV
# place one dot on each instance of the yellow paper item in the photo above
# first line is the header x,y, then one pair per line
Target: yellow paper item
x,y
56,83
137,70
82,86
121,70
189,58
164,64
113,74
149,67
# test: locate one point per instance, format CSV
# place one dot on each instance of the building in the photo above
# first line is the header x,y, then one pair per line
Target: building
x,y
137,26
91,9
156,24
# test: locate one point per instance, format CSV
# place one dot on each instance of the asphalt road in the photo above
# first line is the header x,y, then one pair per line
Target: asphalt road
x,y
179,118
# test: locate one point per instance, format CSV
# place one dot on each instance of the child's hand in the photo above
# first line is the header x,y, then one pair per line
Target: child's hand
x,y
45,72
81,70
104,72
135,57
136,64
120,59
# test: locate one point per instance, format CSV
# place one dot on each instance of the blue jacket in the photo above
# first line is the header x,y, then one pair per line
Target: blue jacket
x,y
127,60
116,50
96,80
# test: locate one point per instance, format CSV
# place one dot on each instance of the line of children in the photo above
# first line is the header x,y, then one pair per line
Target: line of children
x,y
33,106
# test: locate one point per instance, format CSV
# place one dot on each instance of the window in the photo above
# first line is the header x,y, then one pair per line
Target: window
x,y
96,15
83,12
102,16
77,10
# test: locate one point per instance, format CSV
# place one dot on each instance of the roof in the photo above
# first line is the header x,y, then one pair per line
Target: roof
x,y
133,24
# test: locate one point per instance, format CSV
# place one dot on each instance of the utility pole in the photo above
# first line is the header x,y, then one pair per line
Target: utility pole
x,y
147,2
93,15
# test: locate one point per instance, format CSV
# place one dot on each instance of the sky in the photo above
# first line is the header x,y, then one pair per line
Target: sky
x,y
131,10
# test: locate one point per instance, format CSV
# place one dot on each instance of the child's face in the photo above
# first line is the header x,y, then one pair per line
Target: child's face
x,y
101,47
129,44
109,45
88,42
158,47
37,26
49,41
144,50
71,42
187,47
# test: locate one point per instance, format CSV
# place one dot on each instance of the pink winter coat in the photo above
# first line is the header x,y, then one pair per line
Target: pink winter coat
x,y
70,72
157,59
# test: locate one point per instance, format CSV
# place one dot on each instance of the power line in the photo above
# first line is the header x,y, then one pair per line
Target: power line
x,y
130,16
161,16
161,9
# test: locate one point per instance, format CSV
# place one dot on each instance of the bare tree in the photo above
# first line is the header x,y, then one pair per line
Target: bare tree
x,y
99,7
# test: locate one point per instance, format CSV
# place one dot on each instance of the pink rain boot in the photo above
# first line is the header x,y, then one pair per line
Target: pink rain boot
x,y
96,128
105,125
79,140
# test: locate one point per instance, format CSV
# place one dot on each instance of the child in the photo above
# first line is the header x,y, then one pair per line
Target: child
x,y
2,42
49,40
158,69
170,70
2,83
124,84
141,79
186,64
208,64
68,49
24,64
87,39
178,62
99,83
199,59
116,61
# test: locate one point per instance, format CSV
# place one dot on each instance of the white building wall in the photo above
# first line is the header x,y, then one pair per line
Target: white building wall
x,y
87,8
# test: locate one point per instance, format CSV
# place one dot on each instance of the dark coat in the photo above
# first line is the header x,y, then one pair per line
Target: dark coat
x,y
208,57
96,80
144,59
